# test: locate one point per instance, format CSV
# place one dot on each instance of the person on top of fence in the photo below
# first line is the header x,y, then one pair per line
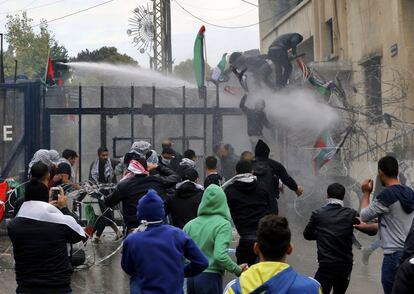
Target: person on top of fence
x,y
278,54
257,65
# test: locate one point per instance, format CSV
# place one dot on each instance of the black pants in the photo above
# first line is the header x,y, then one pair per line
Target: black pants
x,y
106,219
283,67
245,253
336,277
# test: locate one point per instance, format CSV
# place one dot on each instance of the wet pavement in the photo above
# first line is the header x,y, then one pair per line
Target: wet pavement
x,y
107,276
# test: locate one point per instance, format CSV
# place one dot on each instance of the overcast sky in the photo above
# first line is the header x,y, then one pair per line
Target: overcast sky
x,y
106,25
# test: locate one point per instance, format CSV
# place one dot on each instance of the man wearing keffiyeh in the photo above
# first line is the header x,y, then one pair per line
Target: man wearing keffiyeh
x,y
101,170
135,184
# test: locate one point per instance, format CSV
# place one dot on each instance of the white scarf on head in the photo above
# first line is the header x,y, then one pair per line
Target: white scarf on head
x,y
48,157
45,212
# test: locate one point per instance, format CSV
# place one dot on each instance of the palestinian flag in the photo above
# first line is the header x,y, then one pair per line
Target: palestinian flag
x,y
199,61
322,86
327,149
217,74
90,220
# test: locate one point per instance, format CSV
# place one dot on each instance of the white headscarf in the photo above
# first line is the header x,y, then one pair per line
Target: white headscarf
x,y
48,157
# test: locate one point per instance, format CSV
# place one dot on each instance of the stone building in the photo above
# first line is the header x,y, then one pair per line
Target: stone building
x,y
369,46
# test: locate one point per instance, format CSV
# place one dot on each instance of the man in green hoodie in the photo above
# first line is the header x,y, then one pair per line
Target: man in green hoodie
x,y
212,232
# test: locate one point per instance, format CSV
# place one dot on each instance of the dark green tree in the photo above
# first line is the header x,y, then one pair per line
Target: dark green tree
x,y
104,54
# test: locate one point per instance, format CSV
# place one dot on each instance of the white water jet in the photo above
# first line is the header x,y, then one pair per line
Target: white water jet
x,y
122,75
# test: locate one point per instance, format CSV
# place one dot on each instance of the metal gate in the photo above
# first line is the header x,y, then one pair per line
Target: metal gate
x,y
20,123
84,118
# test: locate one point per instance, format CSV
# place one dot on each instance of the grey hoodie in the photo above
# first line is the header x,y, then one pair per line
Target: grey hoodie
x,y
394,207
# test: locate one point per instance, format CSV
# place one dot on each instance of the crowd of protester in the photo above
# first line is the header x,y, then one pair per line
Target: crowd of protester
x,y
178,227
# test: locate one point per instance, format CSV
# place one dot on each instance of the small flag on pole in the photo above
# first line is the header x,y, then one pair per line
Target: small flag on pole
x,y
50,74
327,149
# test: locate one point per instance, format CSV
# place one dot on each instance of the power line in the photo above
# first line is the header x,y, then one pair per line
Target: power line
x,y
212,9
73,13
231,27
31,8
30,4
250,3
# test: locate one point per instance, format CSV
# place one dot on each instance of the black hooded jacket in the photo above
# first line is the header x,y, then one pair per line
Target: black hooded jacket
x,y
288,41
131,190
248,203
183,206
269,171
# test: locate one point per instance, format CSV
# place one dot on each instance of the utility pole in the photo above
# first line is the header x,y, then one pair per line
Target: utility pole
x,y
1,60
162,59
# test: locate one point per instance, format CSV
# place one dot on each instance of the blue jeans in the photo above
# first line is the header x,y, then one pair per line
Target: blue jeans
x,y
205,283
390,265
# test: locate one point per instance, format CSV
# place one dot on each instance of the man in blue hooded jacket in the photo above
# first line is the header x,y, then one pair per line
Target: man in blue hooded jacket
x,y
154,254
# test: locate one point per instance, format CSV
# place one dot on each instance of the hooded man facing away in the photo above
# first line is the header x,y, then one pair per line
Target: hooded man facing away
x,y
40,234
269,172
212,232
248,202
184,204
135,184
272,274
154,254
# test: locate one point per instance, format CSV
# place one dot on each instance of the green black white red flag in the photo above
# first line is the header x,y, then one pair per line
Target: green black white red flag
x,y
199,60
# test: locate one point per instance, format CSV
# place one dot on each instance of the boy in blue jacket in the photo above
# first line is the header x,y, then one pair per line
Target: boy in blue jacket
x,y
272,274
154,254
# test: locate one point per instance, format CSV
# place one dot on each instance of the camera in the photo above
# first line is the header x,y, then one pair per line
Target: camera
x,y
55,193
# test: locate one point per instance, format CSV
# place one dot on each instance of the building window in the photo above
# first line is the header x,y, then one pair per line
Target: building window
x,y
373,95
329,28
